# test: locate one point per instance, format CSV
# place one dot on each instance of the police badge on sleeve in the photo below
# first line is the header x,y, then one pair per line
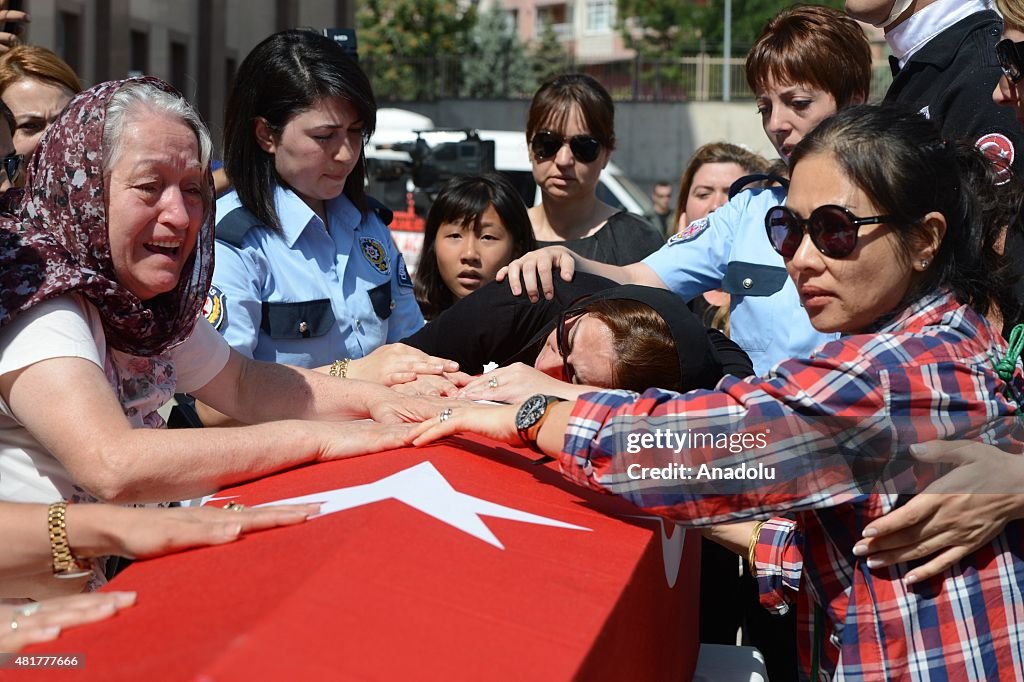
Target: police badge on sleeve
x,y
690,232
214,309
373,250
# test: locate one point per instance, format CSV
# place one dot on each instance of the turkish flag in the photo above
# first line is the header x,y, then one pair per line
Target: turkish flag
x,y
460,561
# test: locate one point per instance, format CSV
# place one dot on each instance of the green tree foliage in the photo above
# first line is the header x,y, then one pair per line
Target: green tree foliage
x,y
665,29
496,64
403,42
661,29
748,19
550,56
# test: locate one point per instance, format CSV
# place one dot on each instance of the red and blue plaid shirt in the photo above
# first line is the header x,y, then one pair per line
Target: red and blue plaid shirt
x,y
926,374
779,560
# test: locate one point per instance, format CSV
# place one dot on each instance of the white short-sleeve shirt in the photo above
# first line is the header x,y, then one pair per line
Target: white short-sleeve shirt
x,y
70,326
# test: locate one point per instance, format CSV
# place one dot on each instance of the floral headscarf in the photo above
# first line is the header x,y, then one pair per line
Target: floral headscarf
x,y
55,239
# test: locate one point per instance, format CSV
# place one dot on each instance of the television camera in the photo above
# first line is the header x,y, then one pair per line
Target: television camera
x,y
430,165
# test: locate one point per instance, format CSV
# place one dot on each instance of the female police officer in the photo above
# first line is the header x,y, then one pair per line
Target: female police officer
x,y
808,62
307,273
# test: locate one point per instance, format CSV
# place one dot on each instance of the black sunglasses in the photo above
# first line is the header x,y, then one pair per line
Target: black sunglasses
x,y
12,166
1009,55
562,338
833,229
545,144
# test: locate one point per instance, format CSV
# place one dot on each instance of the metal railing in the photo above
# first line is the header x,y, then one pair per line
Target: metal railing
x,y
687,79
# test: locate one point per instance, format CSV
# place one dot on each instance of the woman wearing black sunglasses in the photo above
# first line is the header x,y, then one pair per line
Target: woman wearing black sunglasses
x,y
908,291
571,134
36,85
807,63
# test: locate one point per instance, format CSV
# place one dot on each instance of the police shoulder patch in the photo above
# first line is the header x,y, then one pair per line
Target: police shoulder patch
x,y
403,273
690,232
375,253
998,149
214,310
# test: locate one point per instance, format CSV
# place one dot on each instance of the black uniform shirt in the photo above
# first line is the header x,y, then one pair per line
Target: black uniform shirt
x,y
951,80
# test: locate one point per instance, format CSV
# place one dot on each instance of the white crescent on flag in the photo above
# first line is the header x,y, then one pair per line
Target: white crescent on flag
x,y
671,547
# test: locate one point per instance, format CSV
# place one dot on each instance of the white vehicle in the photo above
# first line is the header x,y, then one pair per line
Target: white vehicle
x,y
511,158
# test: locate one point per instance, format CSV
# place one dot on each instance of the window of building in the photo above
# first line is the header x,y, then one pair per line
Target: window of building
x,y
179,65
511,17
558,17
600,15
139,52
69,39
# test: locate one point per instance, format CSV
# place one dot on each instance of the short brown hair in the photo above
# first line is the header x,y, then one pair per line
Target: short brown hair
x,y
32,61
819,46
553,102
645,352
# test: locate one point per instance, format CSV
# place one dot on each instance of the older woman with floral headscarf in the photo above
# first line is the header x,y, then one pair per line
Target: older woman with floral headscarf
x,y
104,267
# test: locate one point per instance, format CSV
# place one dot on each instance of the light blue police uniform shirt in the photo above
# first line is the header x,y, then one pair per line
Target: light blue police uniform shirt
x,y
310,296
730,250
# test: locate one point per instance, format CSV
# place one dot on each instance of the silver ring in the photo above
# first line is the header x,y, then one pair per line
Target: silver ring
x,y
234,506
493,383
28,609
445,415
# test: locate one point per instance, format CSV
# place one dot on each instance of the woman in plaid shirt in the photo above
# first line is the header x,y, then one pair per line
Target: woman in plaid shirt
x,y
880,237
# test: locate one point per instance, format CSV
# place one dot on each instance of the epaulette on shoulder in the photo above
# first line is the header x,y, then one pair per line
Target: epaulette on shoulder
x,y
232,228
385,214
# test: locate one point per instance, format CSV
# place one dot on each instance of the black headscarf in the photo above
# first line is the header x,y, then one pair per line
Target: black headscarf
x,y
704,355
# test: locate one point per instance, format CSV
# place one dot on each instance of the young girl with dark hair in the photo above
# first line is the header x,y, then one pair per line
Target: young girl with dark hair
x,y
476,225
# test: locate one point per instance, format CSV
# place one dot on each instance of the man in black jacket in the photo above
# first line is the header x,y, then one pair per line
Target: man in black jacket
x,y
944,65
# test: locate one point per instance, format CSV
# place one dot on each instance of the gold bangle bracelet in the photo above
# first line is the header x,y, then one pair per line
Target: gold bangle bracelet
x,y
752,547
339,368
65,565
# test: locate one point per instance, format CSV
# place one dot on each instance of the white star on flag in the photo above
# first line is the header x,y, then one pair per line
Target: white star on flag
x,y
424,488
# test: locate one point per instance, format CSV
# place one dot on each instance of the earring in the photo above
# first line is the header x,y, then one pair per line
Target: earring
x,y
924,263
